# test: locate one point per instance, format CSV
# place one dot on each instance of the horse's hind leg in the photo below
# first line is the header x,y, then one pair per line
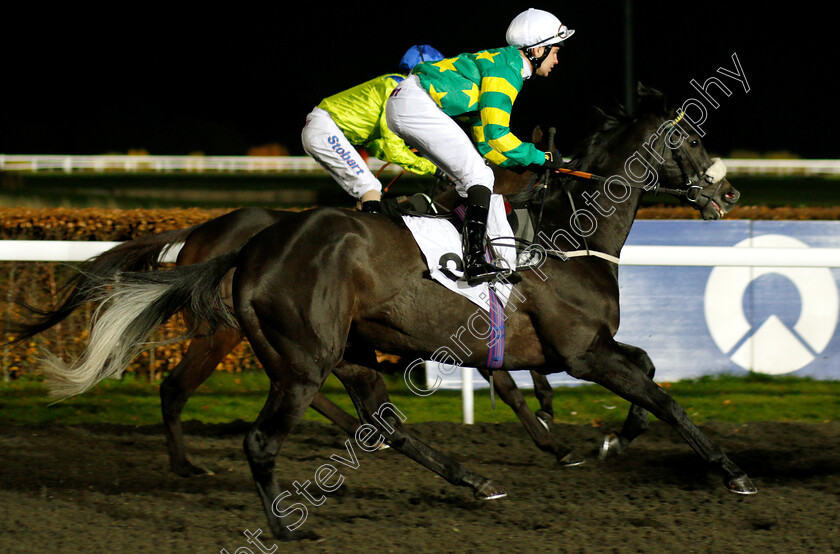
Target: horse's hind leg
x,y
545,396
284,408
199,362
613,366
540,433
637,418
296,373
202,357
297,361
331,411
367,389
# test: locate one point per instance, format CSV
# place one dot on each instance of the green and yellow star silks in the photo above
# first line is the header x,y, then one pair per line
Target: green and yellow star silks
x,y
360,114
481,89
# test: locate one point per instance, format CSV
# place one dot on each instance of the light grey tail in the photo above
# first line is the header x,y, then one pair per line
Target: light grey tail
x,y
131,306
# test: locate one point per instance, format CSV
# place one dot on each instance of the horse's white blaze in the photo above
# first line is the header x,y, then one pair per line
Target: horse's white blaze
x,y
110,348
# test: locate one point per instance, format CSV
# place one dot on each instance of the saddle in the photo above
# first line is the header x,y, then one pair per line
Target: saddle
x,y
422,211
519,216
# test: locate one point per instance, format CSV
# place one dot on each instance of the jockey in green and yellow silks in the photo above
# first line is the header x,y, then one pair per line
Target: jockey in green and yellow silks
x,y
480,88
356,117
483,87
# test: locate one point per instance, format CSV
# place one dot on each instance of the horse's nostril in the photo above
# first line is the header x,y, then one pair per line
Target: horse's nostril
x,y
730,196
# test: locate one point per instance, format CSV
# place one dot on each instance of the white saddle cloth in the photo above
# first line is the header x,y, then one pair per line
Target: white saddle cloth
x,y
439,240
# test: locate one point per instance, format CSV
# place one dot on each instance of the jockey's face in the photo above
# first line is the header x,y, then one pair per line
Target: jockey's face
x,y
546,66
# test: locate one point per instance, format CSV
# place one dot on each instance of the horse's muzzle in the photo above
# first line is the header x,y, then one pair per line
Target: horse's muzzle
x,y
716,200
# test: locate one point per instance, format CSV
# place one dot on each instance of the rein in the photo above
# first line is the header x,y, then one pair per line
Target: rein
x,y
692,192
695,189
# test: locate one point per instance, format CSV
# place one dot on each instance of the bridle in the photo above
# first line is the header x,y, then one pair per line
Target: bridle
x,y
689,167
691,174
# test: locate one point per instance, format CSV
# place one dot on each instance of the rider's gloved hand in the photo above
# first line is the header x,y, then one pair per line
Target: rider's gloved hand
x,y
371,206
553,162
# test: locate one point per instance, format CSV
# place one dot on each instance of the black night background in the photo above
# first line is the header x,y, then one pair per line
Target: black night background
x,y
172,80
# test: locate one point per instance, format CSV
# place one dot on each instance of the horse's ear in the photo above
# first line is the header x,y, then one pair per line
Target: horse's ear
x,y
600,116
537,135
649,100
604,120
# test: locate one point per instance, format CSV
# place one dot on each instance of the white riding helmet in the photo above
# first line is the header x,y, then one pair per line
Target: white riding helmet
x,y
533,28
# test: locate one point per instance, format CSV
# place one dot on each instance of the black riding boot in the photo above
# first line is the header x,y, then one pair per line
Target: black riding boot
x,y
476,270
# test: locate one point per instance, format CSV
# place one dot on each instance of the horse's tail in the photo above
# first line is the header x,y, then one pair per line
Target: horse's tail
x,y
142,254
131,306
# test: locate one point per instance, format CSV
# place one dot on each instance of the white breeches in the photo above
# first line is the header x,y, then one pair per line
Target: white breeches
x,y
414,117
324,141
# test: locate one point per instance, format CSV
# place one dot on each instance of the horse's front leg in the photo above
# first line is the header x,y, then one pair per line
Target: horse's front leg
x,y
616,368
540,433
367,389
637,418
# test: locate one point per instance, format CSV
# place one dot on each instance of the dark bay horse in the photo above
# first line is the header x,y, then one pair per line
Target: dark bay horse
x,y
222,235
319,292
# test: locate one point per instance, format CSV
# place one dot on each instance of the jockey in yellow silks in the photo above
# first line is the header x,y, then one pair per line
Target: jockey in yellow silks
x,y
356,117
482,88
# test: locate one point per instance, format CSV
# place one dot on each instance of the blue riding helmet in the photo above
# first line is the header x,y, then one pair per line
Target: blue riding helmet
x,y
416,54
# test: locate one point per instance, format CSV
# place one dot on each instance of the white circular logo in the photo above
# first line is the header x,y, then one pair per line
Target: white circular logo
x,y
771,346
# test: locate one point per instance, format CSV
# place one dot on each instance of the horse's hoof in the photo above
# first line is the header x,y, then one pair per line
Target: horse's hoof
x,y
741,485
571,460
610,448
383,446
490,491
544,418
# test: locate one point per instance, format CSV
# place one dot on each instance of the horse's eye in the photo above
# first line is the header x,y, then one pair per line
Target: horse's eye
x,y
694,143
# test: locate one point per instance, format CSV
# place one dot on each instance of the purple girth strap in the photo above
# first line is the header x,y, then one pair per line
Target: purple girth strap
x,y
496,340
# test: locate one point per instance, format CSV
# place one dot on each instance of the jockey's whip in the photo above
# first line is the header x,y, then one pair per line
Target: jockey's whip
x,y
551,132
381,169
394,180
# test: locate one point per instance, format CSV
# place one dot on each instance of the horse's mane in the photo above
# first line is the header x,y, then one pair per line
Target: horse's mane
x,y
591,146
649,101
591,152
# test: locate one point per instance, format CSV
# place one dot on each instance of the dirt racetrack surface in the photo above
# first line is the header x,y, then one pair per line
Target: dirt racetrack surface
x,y
107,488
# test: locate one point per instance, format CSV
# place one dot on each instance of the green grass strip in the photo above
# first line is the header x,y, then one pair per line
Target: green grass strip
x,y
227,397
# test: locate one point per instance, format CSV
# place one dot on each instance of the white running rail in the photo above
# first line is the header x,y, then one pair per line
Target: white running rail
x,y
689,256
170,164
304,164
